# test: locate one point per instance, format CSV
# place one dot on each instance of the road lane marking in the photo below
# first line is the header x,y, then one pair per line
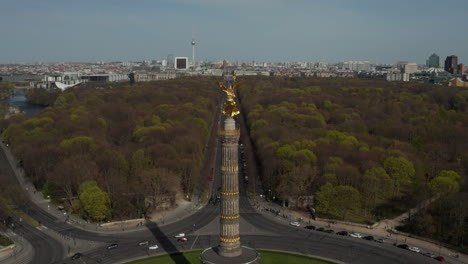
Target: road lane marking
x,y
194,242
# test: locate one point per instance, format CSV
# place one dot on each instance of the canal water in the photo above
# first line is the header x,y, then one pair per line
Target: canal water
x,y
18,100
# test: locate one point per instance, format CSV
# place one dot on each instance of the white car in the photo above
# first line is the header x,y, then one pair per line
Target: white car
x,y
355,235
295,224
180,235
153,246
414,249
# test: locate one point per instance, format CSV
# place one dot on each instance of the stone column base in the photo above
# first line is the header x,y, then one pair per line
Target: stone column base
x,y
213,256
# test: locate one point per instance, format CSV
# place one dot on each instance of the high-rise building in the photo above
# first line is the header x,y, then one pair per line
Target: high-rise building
x,y
451,64
461,68
433,61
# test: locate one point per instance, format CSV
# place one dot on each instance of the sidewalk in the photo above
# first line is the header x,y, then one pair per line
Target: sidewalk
x,y
285,216
21,253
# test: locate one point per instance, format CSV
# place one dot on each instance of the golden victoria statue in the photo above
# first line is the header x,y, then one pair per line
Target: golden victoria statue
x,y
230,108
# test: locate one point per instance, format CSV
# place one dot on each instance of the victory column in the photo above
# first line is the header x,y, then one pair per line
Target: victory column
x,y
230,249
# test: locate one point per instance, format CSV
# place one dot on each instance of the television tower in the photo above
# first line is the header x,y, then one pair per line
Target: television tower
x,y
193,50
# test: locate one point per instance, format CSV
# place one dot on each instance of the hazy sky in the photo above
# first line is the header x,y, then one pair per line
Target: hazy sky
x,y
380,31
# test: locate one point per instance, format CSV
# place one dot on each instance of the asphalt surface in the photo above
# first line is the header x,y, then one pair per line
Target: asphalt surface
x,y
269,234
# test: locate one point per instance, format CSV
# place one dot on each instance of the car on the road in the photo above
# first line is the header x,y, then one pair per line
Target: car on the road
x,y
414,249
295,224
143,243
370,238
112,246
182,239
428,254
403,246
379,240
311,227
439,258
357,235
342,233
320,229
76,256
153,246
179,235
329,231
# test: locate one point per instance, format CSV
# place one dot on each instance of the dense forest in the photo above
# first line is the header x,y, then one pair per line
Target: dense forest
x,y
117,151
365,150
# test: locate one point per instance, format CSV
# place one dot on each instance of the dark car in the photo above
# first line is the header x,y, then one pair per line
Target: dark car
x,y
370,238
379,240
76,256
403,246
321,229
112,246
343,233
329,231
311,227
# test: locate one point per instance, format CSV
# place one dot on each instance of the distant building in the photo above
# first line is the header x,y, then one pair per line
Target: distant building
x,y
105,77
397,76
451,64
181,63
461,68
407,67
457,82
433,61
252,73
141,76
358,66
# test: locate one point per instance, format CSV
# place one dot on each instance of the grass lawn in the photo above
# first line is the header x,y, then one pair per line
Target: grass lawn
x,y
267,257
5,241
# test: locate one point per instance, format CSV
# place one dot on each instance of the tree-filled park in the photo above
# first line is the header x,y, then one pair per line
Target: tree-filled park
x,y
355,150
363,149
117,151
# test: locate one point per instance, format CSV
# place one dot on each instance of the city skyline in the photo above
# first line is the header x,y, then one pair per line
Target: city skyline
x,y
260,30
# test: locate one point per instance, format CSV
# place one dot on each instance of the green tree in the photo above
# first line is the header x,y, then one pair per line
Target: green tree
x,y
340,201
94,201
400,170
374,187
446,182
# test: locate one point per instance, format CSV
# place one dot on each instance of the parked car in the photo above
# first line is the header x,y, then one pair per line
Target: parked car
x,y
182,239
321,229
311,227
355,235
295,224
379,240
112,246
439,258
329,231
179,235
342,233
153,246
403,246
143,243
76,256
414,249
370,238
429,254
